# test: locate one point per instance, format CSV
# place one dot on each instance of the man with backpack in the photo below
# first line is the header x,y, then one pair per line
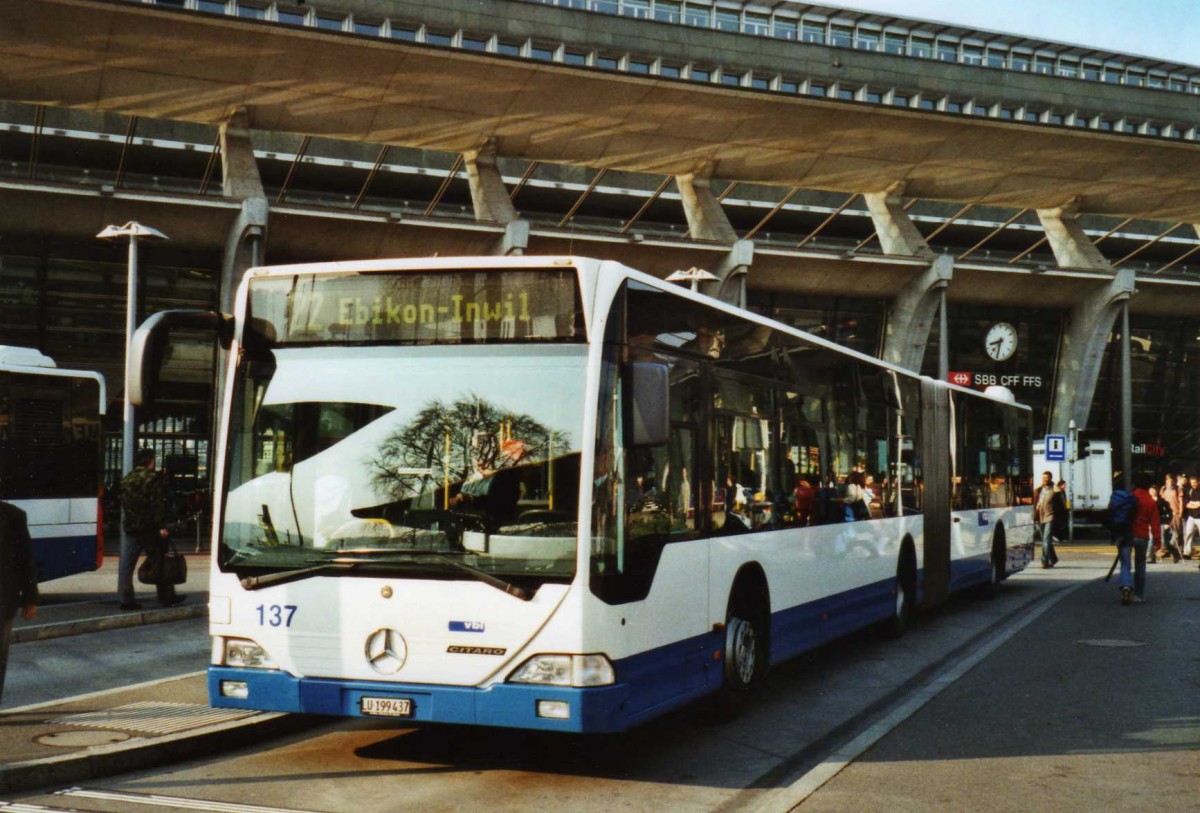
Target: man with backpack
x,y
1133,520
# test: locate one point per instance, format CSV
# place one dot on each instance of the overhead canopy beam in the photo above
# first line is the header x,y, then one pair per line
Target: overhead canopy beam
x,y
79,57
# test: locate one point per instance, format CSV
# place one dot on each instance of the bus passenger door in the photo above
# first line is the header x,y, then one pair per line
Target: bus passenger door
x,y
935,434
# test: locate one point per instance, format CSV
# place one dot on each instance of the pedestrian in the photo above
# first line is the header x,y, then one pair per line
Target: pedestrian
x,y
1043,515
1191,514
18,577
1134,536
144,511
1172,493
803,497
1165,515
1060,522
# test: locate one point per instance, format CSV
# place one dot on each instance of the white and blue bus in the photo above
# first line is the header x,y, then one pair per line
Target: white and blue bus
x,y
558,493
50,438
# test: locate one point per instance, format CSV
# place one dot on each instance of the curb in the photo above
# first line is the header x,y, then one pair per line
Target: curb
x,y
105,760
45,632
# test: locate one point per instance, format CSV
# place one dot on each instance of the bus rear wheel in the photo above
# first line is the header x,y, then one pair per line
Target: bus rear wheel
x,y
905,594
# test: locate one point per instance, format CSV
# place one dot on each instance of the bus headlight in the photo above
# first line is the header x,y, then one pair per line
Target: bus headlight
x,y
246,654
566,670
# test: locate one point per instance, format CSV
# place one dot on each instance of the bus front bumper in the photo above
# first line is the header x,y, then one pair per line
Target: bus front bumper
x,y
512,705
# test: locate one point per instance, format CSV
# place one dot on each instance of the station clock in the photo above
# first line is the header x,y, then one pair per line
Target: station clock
x,y
1000,341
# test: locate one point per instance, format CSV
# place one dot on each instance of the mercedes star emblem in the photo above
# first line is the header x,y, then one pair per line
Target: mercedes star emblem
x,y
386,651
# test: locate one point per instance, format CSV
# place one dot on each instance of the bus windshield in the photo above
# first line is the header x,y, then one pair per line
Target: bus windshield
x,y
439,461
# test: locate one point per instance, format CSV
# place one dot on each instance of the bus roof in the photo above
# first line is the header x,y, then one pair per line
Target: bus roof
x,y
23,357
34,362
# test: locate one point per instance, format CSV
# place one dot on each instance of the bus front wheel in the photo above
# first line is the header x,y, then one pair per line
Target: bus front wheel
x,y
745,656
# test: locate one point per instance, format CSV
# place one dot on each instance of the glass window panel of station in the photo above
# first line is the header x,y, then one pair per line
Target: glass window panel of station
x,y
20,292
697,15
997,57
947,49
759,24
786,29
639,9
728,19
290,15
668,12
921,47
331,22
972,55
841,35
251,11
1020,61
895,43
867,40
812,31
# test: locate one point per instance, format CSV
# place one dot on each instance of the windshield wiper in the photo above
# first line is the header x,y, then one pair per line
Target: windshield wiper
x,y
489,579
342,566
284,576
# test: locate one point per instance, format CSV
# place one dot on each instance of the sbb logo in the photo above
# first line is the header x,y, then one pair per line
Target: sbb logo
x,y
961,379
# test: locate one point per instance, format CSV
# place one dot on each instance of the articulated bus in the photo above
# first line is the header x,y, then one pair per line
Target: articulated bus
x,y
50,440
558,493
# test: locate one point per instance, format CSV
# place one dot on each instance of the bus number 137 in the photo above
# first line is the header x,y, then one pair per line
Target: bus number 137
x,y
276,615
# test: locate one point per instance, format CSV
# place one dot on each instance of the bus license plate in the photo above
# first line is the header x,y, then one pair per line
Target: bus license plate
x,y
387,706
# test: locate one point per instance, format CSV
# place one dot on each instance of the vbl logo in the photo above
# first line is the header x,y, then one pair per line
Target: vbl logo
x,y
467,626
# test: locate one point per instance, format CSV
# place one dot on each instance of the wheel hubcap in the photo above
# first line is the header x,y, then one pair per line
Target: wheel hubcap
x,y
744,650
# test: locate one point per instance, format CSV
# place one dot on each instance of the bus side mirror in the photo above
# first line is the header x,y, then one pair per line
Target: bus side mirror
x,y
647,400
150,341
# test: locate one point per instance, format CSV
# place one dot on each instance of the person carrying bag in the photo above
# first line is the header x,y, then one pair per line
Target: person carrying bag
x,y
144,516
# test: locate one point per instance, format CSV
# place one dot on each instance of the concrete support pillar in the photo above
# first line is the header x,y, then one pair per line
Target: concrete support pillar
x,y
731,272
1084,339
488,193
912,312
897,233
239,170
1090,322
706,219
1071,247
515,239
245,242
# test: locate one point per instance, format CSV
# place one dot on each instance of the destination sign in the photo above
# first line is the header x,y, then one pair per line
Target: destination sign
x,y
424,307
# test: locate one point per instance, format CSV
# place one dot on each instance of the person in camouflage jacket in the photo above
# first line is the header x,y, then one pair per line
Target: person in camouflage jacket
x,y
144,518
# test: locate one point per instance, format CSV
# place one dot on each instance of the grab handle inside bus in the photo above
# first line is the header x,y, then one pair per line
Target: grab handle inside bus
x,y
150,341
646,397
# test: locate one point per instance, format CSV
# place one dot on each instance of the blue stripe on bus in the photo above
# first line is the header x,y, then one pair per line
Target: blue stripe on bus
x,y
58,556
650,683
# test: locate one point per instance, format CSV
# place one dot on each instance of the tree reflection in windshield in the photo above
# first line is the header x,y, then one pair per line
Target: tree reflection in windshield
x,y
406,463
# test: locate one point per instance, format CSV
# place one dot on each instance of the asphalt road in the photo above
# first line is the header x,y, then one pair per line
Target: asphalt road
x,y
40,671
1089,706
1093,707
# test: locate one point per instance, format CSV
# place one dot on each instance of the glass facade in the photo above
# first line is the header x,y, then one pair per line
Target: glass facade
x,y
68,301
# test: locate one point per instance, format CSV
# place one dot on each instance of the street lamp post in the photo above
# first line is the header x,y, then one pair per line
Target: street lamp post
x,y
134,231
693,275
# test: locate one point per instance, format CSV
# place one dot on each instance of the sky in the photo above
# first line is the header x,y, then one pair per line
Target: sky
x,y
1166,29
